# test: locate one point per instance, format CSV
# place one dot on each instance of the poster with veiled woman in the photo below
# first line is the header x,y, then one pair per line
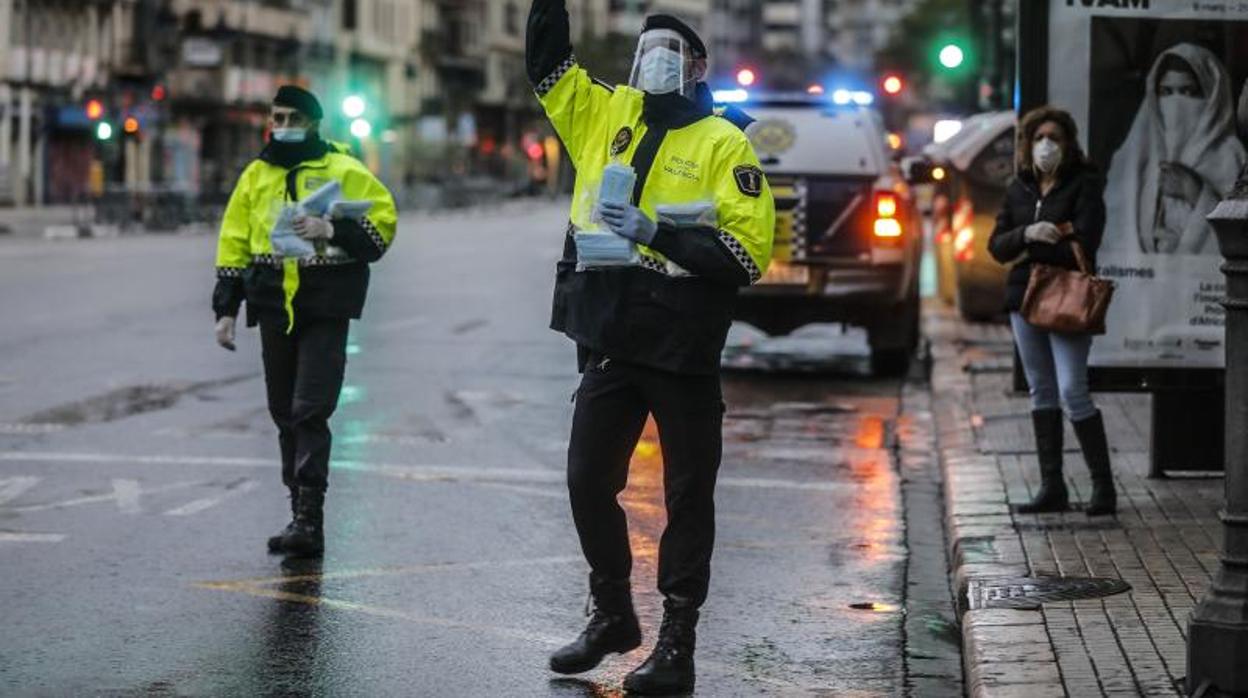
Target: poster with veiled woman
x,y
1159,109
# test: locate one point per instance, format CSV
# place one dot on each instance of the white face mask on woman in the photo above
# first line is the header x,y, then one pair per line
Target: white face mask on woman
x,y
1047,155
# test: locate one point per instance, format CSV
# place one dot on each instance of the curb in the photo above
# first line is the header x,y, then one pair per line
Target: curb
x,y
1005,653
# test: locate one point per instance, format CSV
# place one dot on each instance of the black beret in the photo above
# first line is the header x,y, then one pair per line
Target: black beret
x,y
674,24
296,97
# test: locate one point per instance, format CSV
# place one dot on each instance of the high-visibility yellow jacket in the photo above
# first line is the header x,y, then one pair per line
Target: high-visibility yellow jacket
x,y
673,311
331,284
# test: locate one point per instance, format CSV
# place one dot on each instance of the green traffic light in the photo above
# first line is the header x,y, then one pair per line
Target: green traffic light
x,y
360,128
353,106
952,56
103,130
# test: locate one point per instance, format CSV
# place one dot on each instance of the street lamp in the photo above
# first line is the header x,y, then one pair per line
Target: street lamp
x,y
1217,632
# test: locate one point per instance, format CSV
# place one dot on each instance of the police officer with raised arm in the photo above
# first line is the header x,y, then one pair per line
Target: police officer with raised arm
x,y
649,328
302,293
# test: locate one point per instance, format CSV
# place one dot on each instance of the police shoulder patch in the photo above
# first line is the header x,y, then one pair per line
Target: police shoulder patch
x,y
749,180
623,139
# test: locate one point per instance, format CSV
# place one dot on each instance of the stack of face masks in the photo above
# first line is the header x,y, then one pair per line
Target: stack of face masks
x,y
325,200
700,214
603,248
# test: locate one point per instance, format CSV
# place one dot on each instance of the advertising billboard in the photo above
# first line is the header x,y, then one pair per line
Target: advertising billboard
x,y
1158,90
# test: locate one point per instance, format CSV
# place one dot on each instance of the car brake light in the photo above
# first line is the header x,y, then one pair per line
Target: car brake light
x,y
886,205
886,223
963,249
887,228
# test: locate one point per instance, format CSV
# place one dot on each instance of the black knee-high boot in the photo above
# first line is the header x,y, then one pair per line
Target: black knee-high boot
x,y
1092,440
1052,495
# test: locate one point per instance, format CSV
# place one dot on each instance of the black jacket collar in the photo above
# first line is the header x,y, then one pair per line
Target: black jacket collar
x,y
673,111
290,155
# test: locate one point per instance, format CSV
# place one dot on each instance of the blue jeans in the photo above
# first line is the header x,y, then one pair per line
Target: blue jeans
x,y
1057,369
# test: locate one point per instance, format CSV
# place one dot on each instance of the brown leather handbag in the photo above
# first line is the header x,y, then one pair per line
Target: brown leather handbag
x,y
1067,302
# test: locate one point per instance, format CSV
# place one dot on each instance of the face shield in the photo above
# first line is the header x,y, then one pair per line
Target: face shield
x,y
664,64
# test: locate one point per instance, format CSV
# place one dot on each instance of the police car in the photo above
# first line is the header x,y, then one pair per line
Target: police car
x,y
848,235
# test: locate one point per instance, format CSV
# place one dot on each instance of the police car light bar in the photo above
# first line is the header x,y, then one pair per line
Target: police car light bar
x,y
731,96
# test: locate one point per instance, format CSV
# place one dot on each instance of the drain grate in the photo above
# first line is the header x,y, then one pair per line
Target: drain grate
x,y
1031,592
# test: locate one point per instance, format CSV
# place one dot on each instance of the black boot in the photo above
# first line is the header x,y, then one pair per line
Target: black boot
x,y
305,536
1091,433
612,627
275,542
669,668
1052,495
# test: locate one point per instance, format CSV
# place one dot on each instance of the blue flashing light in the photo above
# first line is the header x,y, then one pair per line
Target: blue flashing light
x,y
731,96
864,99
842,97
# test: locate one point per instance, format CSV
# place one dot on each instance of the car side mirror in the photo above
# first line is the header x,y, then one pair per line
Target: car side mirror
x,y
917,170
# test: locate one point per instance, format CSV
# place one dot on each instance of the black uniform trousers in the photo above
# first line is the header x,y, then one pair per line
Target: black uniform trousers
x,y
612,403
303,374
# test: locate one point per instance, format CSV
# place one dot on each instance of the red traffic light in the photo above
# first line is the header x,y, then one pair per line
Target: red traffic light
x,y
746,77
535,151
159,93
130,125
94,109
893,84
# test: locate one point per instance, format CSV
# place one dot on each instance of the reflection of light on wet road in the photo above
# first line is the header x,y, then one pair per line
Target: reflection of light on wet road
x,y
643,500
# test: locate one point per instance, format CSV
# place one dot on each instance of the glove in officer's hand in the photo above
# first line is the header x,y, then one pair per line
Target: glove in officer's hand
x,y
1044,232
313,228
225,332
628,221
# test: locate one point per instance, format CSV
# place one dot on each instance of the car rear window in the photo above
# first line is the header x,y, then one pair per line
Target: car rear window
x,y
809,140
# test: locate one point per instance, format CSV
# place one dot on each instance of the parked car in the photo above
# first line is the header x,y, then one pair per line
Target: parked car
x,y
977,163
848,234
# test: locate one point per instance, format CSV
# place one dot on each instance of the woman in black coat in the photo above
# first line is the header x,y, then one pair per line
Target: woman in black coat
x,y
1055,201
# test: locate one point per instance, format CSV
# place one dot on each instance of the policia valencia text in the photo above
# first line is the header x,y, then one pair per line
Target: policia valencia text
x,y
649,335
303,304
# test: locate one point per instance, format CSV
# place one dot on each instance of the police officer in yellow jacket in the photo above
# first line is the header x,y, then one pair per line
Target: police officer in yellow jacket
x,y
302,296
649,334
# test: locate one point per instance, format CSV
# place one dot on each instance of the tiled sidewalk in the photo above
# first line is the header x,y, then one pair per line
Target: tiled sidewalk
x,y
1164,542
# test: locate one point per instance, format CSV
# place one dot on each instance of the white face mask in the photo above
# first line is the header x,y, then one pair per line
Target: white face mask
x,y
1047,155
662,71
1180,116
290,135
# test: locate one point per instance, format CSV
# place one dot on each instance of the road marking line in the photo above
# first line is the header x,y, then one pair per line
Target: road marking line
x,y
384,571
394,614
15,537
232,490
416,473
125,493
12,487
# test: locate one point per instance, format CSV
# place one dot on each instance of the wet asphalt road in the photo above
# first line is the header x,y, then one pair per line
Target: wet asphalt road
x,y
138,481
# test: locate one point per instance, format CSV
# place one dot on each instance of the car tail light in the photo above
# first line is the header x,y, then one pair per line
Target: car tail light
x,y
886,223
963,244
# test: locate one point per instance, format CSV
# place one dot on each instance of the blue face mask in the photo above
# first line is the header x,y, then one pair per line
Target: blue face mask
x,y
290,135
661,71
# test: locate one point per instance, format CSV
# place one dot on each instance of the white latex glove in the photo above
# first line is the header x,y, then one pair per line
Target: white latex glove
x,y
1042,232
313,228
225,332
